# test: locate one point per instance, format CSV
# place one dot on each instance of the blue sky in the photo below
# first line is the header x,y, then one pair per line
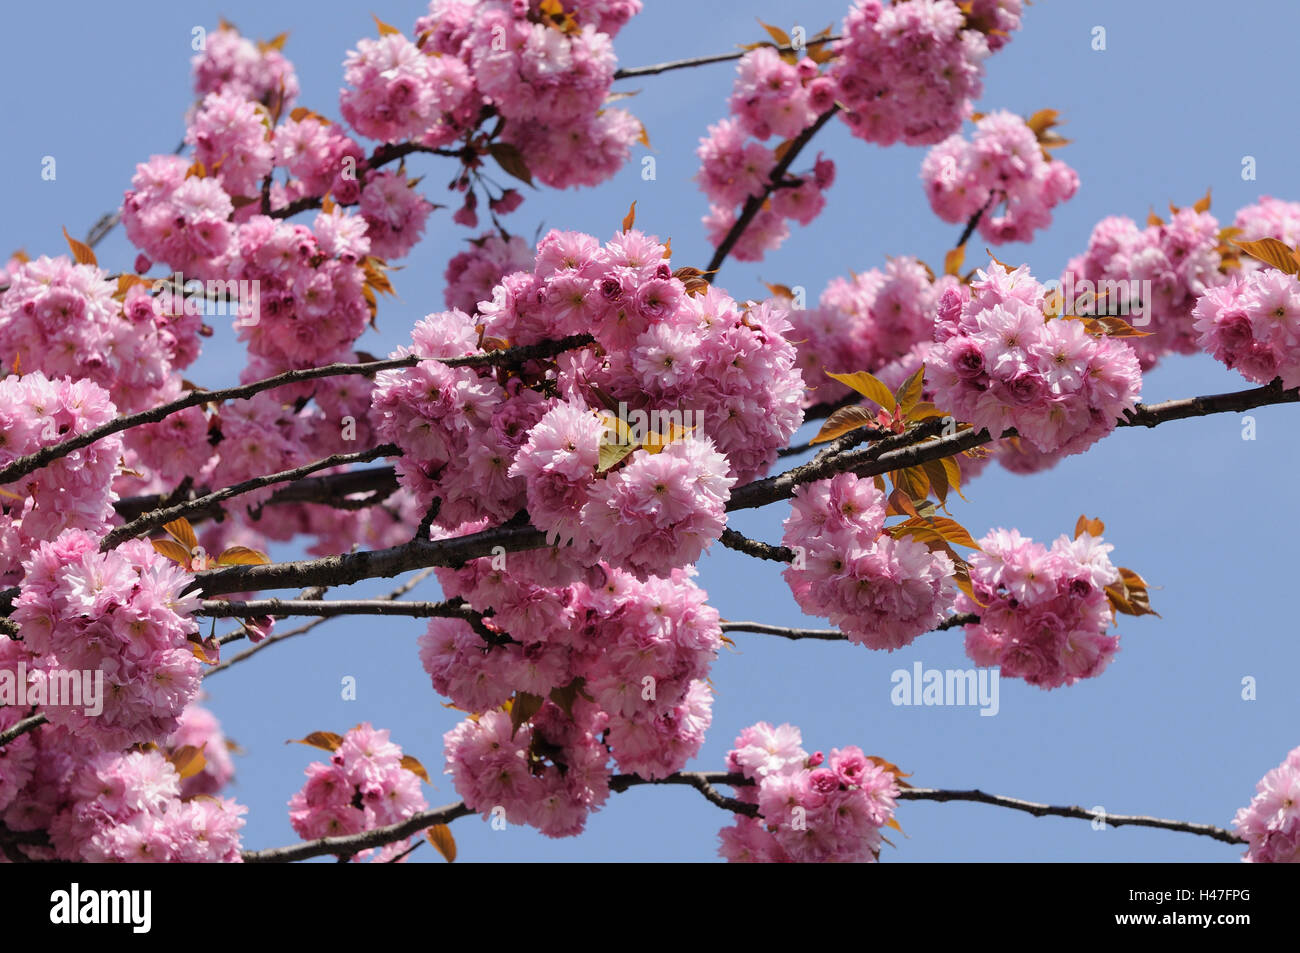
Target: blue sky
x,y
1169,108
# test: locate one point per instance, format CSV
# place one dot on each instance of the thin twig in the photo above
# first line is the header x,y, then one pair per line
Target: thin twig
x,y
634,71
151,521
21,728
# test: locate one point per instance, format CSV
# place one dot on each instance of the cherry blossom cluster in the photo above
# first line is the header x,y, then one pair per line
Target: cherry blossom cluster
x,y
1271,822
638,651
120,613
865,323
1002,170
1252,324
549,774
364,785
771,97
64,319
909,71
1179,258
880,591
127,808
74,491
472,274
481,443
549,81
230,63
999,364
1044,613
812,809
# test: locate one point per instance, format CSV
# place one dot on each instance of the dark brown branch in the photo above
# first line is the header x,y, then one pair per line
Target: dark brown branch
x,y
755,202
1079,813
705,782
891,454
634,71
30,723
831,635
151,521
34,461
329,608
752,547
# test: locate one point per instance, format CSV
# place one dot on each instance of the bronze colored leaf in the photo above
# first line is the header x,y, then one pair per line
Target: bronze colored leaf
x,y
440,837
81,252
868,386
242,556
412,764
842,421
325,740
1271,252
630,218
511,161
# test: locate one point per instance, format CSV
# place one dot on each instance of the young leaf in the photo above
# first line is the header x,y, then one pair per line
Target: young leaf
x,y
181,531
630,218
953,260
842,421
188,761
1271,252
325,740
384,28
908,394
440,837
868,386
1203,205
782,38
522,708
511,161
83,253
412,764
173,551
242,556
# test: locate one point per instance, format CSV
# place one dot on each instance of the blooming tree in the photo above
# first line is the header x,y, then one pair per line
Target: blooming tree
x,y
569,432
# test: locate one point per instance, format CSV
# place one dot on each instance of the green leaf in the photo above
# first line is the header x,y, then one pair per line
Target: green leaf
x,y
869,387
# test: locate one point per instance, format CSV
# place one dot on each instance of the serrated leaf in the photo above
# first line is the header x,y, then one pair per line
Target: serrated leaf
x,y
908,394
844,420
952,470
924,411
511,160
565,695
522,708
440,837
1271,252
173,551
412,764
780,291
868,386
1092,527
692,279
630,218
384,28
325,740
1203,205
242,556
912,481
938,477
82,253
900,504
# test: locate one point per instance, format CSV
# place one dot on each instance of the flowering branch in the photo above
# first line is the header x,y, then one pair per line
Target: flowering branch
x,y
866,461
22,466
706,60
705,782
151,521
755,202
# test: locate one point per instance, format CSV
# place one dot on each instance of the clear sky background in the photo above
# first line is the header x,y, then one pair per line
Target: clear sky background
x,y
1181,93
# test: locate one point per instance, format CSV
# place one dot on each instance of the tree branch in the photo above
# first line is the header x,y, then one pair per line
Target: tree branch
x,y
151,521
633,71
704,782
832,635
891,454
30,723
22,466
398,592
755,202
